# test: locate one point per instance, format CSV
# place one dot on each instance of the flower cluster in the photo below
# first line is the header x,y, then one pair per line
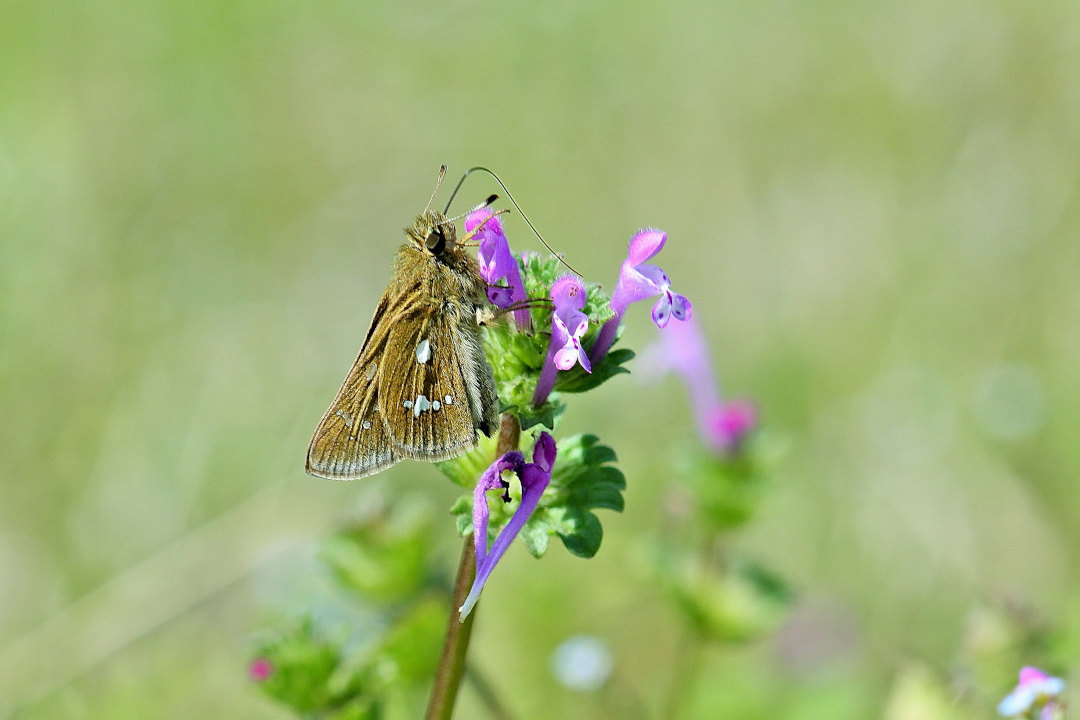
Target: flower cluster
x,y
571,353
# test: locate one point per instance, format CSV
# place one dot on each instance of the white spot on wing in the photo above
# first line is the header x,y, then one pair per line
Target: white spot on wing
x,y
423,351
407,404
448,400
346,417
435,405
366,425
421,405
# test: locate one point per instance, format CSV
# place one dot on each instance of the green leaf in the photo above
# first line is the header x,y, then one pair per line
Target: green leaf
x,y
547,414
602,496
576,380
585,535
535,536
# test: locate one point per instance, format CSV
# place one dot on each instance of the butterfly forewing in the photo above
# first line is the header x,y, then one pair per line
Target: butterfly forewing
x,y
421,386
428,407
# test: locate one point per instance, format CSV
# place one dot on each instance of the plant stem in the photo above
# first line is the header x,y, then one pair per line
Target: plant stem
x,y
456,645
452,661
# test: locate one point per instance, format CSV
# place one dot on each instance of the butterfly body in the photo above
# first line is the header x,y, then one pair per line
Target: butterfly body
x,y
421,386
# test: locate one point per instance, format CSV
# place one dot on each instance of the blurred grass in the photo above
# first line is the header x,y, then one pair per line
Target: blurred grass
x,y
873,208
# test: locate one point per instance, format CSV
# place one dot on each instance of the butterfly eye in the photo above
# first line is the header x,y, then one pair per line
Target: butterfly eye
x,y
436,241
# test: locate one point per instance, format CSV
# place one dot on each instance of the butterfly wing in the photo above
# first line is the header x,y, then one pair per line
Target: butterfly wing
x,y
431,378
351,440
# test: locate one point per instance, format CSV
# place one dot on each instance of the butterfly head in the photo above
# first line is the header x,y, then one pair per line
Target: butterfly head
x,y
435,234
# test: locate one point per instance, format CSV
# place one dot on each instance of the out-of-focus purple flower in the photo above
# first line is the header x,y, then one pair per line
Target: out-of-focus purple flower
x,y
729,423
681,349
1035,689
568,326
260,669
638,281
534,477
497,263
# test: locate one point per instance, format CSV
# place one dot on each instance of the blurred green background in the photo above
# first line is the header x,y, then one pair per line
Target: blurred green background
x,y
873,207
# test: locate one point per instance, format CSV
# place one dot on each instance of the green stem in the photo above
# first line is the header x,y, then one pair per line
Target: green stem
x,y
456,645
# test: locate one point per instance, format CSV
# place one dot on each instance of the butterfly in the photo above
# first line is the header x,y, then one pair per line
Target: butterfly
x,y
421,386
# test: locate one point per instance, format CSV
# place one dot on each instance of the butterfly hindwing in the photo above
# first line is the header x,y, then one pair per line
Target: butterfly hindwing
x,y
351,440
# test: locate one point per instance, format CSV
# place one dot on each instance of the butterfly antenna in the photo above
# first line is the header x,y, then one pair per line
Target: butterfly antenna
x,y
470,211
511,197
438,184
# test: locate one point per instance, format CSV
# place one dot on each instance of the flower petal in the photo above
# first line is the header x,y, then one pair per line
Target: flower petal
x,y
645,244
655,275
1018,701
497,263
568,293
583,358
544,451
680,306
490,480
566,357
661,311
500,295
534,480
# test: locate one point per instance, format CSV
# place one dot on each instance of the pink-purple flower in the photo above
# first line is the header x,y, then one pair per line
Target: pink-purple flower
x,y
534,477
682,349
260,669
1035,689
497,263
639,281
568,326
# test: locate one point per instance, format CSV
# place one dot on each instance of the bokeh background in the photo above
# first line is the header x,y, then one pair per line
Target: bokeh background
x,y
873,207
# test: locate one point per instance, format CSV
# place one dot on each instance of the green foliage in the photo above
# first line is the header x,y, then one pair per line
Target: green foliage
x,y
465,469
728,487
303,668
723,596
324,670
576,380
382,560
734,605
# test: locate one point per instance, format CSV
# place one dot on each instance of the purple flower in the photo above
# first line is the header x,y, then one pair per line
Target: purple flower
x,y
727,424
681,349
260,669
1035,688
638,281
534,477
568,326
498,263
